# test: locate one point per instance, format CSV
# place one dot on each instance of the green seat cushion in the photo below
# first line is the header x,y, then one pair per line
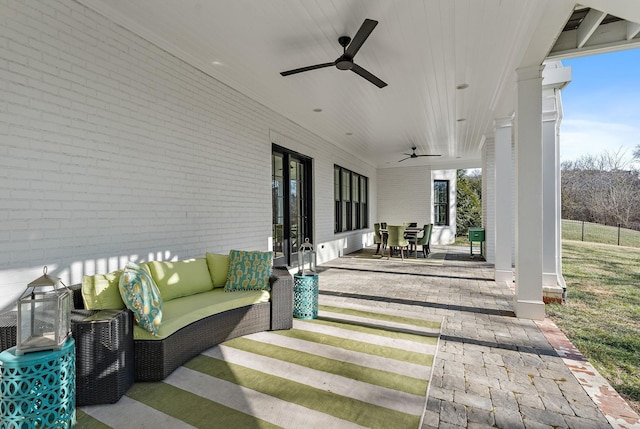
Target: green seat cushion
x,y
181,278
140,294
248,270
100,291
181,312
218,268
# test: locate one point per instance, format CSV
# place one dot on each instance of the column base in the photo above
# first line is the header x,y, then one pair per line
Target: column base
x,y
529,309
504,276
553,294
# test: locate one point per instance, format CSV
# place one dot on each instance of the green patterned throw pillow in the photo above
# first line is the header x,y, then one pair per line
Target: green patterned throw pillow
x,y
248,270
140,294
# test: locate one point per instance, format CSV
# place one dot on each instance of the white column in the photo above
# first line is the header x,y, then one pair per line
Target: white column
x,y
554,77
504,228
528,299
549,189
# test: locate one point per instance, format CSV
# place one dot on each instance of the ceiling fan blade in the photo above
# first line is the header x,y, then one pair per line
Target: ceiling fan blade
x,y
403,159
367,75
363,33
427,155
304,69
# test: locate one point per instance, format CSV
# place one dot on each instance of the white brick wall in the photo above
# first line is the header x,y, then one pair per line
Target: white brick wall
x,y
112,149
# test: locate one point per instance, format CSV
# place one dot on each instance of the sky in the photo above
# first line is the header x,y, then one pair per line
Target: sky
x,y
601,105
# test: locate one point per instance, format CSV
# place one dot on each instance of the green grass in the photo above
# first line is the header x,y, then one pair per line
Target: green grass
x,y
602,314
596,233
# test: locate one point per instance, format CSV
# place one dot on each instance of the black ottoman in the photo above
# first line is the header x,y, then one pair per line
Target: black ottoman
x,y
8,330
104,355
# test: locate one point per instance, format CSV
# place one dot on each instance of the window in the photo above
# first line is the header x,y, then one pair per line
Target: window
x,y
441,202
351,200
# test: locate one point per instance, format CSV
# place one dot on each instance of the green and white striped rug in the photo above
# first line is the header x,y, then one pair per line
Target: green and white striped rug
x,y
351,367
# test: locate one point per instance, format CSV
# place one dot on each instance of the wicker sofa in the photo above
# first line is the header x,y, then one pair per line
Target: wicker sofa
x,y
112,352
156,358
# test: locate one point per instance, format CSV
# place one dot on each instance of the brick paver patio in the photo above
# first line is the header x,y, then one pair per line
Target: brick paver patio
x,y
492,369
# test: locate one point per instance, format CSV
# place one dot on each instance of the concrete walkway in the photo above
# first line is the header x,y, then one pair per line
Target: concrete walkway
x,y
492,369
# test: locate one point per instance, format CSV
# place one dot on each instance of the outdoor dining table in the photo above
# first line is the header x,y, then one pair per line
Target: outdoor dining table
x,y
411,231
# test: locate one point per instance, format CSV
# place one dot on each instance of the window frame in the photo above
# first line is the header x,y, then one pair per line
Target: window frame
x,y
441,207
351,212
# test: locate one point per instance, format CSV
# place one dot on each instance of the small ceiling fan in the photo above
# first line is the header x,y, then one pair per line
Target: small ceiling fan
x,y
413,155
350,49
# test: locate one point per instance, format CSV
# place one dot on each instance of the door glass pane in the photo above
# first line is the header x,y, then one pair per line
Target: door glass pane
x,y
277,196
297,204
293,205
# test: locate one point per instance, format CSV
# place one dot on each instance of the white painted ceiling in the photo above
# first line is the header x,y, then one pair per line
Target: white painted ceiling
x,y
423,50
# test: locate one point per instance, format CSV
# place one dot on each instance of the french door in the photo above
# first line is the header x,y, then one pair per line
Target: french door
x,y
292,204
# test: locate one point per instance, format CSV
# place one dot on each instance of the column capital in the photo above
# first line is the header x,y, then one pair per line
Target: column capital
x,y
529,72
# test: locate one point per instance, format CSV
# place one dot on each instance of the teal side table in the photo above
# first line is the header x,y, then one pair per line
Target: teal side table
x,y
38,389
305,296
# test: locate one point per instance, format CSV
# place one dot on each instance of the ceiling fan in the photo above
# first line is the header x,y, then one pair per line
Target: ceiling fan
x,y
413,154
350,49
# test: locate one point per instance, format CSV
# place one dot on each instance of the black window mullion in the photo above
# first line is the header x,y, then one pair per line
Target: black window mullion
x,y
350,196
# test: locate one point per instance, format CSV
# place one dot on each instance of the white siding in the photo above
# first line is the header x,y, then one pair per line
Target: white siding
x,y
114,150
404,195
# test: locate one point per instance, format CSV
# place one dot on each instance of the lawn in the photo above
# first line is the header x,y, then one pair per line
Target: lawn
x,y
602,314
593,232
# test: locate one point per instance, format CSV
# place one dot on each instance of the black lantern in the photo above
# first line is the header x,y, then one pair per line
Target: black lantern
x,y
43,315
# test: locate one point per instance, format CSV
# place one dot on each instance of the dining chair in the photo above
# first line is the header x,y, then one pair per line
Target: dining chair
x,y
425,240
395,239
378,238
410,236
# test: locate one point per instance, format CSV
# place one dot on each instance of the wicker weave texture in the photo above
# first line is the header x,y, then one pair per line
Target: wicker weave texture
x,y
156,359
8,330
104,355
281,299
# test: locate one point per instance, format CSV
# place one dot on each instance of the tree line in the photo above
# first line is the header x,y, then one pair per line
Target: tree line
x,y
603,188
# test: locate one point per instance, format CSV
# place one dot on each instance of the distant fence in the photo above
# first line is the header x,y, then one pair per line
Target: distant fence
x,y
598,233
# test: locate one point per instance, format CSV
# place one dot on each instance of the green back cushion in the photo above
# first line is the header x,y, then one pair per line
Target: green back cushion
x,y
181,278
100,291
140,294
248,270
218,268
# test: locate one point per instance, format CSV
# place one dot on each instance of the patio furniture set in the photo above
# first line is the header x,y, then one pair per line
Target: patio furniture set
x,y
199,310
408,236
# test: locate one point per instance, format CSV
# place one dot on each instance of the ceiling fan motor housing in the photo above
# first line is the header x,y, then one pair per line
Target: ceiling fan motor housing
x,y
344,63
